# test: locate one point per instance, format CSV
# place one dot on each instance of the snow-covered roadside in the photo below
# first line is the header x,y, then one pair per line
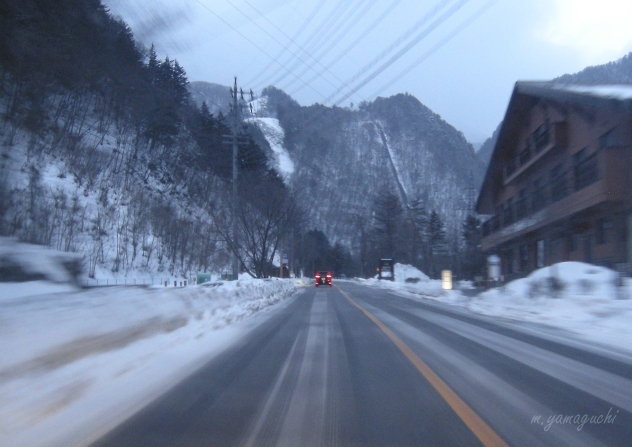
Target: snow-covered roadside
x,y
583,299
74,362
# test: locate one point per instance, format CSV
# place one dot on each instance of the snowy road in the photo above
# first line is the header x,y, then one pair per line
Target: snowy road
x,y
320,372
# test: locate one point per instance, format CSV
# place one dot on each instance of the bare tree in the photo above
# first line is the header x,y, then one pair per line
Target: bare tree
x,y
265,210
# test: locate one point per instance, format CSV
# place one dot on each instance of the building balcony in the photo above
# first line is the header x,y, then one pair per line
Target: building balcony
x,y
603,177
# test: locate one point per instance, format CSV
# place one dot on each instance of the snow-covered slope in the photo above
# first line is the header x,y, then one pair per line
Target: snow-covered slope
x,y
273,132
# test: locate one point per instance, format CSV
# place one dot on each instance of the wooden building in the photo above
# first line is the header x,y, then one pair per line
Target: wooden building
x,y
559,184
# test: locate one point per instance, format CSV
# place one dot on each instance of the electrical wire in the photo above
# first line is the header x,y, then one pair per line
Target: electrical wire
x,y
293,39
212,101
438,46
362,35
426,31
402,38
283,45
354,17
258,47
316,33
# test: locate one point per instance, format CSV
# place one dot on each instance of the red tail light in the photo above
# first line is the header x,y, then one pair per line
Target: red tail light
x,y
317,276
329,276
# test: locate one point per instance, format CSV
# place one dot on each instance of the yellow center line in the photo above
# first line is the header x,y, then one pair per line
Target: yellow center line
x,y
481,430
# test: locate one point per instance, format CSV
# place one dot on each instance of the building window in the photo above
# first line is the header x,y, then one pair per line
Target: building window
x,y
539,253
558,183
607,139
541,137
499,214
585,169
521,204
525,156
538,195
486,228
510,168
496,223
524,257
604,228
508,217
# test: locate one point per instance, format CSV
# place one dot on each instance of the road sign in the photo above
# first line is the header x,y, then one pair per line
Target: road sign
x,y
285,260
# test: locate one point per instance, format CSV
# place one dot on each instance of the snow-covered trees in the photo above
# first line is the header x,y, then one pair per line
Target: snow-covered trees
x,y
102,152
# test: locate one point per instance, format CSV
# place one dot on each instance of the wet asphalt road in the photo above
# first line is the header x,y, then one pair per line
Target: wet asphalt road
x,y
320,372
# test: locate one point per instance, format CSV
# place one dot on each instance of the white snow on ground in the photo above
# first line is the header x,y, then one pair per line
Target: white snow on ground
x,y
274,135
75,362
581,298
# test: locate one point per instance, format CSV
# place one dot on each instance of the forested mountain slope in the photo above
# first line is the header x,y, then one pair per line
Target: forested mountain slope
x,y
103,152
345,159
617,72
107,150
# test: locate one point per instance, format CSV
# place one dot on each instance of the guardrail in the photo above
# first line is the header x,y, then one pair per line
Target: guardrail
x,y
108,282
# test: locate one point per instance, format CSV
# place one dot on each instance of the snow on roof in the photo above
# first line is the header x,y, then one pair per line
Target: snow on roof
x,y
620,92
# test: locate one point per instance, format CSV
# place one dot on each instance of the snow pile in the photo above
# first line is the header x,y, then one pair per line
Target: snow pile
x,y
581,298
75,359
412,280
570,280
22,262
405,273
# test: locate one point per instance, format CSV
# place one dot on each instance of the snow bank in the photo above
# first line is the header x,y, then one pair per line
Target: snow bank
x,y
578,297
412,280
20,262
406,273
581,298
73,359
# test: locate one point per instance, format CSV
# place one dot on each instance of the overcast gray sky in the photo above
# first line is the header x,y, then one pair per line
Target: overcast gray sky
x,y
458,57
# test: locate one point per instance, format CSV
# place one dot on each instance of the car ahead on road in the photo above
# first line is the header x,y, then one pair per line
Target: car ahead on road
x,y
323,278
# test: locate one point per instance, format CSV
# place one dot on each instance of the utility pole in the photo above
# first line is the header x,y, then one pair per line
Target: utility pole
x,y
235,174
235,139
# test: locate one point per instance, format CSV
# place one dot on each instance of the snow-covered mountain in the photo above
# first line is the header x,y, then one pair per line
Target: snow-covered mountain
x,y
343,158
216,96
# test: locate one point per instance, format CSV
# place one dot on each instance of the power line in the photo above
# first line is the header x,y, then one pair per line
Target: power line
x,y
258,47
402,38
325,22
362,35
442,18
283,45
212,101
292,39
440,44
419,37
354,17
